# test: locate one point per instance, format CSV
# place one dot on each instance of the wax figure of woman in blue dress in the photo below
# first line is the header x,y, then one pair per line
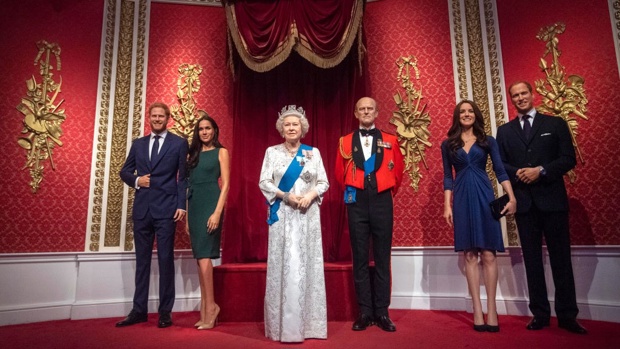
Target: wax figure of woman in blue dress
x,y
209,164
476,232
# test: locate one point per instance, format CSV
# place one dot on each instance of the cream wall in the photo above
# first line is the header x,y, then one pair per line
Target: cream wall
x,y
55,286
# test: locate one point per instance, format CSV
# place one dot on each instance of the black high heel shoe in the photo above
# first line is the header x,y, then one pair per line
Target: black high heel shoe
x,y
481,328
491,328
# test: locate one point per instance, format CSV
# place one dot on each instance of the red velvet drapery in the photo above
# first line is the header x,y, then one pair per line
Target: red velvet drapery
x,y
328,96
265,32
291,50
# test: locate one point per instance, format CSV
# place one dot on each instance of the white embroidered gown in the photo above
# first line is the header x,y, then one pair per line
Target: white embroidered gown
x,y
295,305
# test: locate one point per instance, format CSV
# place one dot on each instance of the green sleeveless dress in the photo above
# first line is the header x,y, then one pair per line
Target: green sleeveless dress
x,y
204,192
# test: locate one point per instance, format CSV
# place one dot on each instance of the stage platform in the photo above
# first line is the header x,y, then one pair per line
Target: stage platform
x,y
240,291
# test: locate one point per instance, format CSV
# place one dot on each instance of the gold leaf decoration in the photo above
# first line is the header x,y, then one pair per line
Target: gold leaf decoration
x,y
411,120
562,96
42,115
184,114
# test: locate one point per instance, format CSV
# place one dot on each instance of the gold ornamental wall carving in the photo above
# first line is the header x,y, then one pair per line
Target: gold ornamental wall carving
x,y
138,111
42,114
119,117
494,64
118,142
411,120
478,74
99,156
563,96
459,49
185,114
497,100
477,60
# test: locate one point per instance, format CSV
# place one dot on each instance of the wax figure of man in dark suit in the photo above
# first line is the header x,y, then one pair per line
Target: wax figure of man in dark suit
x,y
155,167
369,166
536,156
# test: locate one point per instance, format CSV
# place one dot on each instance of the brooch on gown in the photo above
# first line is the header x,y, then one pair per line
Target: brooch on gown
x,y
306,176
306,155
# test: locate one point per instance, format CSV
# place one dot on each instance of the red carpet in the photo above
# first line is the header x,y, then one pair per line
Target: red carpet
x,y
415,329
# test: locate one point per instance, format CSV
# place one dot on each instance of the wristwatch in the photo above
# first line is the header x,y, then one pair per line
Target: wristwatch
x,y
542,171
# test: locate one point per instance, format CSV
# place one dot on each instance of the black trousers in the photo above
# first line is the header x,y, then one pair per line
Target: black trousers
x,y
554,227
145,231
372,217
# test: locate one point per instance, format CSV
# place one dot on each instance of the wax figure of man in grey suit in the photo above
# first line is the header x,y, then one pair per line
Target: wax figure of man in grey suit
x,y
537,151
155,168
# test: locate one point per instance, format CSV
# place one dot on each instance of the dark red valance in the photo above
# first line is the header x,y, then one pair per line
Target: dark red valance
x,y
265,32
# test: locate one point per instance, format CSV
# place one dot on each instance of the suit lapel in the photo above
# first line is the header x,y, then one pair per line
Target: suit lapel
x,y
164,149
358,153
378,151
538,121
143,150
515,125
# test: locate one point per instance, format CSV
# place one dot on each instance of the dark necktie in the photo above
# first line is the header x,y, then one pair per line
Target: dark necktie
x,y
155,149
364,132
527,127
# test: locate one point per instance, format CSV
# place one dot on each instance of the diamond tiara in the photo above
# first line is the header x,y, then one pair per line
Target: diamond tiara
x,y
292,110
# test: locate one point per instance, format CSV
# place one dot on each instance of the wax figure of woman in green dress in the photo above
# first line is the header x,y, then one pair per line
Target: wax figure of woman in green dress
x,y
209,180
476,232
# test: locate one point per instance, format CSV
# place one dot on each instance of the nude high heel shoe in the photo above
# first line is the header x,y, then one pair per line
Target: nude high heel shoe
x,y
200,322
212,321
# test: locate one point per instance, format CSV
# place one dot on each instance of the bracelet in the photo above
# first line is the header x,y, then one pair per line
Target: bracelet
x,y
285,197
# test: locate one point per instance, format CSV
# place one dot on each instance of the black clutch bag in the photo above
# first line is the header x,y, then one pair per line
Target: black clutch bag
x,y
498,205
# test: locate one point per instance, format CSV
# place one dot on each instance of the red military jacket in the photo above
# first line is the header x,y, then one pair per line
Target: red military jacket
x,y
389,162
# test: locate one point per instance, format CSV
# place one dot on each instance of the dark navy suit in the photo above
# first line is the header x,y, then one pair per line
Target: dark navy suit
x,y
153,211
542,208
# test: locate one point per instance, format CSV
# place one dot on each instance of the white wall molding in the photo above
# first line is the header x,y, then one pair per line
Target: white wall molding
x,y
54,286
434,278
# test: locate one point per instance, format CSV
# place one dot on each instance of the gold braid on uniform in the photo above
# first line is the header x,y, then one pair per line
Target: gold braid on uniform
x,y
346,157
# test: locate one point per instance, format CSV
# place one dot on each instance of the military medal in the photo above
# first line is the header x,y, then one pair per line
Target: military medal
x,y
383,144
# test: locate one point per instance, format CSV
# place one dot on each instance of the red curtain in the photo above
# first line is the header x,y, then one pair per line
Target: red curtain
x,y
265,32
328,96
295,52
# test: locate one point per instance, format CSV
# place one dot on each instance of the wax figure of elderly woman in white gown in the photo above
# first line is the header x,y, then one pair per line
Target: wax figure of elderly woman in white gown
x,y
293,180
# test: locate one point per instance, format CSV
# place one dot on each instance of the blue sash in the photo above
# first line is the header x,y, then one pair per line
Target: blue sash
x,y
369,165
286,183
349,191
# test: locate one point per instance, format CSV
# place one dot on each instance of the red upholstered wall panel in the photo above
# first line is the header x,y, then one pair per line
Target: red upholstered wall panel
x,y
421,28
53,219
196,35
588,50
